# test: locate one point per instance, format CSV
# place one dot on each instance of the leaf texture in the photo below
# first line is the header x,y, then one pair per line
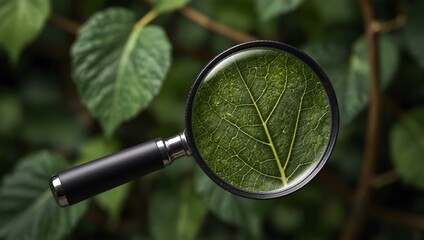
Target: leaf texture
x,y
261,120
119,68
27,209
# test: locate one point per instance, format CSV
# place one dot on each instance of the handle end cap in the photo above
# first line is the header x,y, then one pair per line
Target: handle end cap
x,y
58,191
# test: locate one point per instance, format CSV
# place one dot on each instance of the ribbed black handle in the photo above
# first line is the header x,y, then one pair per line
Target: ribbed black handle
x,y
85,181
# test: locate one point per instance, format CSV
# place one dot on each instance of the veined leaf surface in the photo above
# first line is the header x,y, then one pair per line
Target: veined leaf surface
x,y
119,68
261,119
27,209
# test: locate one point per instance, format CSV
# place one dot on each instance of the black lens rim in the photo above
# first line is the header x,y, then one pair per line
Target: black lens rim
x,y
331,97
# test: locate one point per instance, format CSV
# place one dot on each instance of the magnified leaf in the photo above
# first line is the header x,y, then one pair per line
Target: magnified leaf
x,y
118,68
20,23
261,120
407,147
27,209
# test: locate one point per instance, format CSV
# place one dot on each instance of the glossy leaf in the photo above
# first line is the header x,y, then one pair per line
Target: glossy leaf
x,y
119,68
27,209
163,6
407,147
261,120
271,8
414,32
113,200
21,21
348,70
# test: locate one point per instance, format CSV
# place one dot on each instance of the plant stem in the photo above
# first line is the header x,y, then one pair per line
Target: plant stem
x,y
64,23
146,19
206,22
363,190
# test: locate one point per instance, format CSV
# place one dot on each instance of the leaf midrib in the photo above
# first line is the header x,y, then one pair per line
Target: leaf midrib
x,y
265,126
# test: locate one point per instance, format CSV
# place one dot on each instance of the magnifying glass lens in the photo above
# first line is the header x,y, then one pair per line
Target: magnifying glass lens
x,y
261,121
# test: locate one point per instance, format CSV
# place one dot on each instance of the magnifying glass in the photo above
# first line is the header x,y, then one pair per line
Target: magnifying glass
x,y
261,121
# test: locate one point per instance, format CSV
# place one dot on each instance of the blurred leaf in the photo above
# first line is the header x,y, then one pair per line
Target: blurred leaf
x,y
27,209
335,11
286,218
349,71
97,147
170,103
113,200
268,9
414,31
163,6
239,14
247,214
10,113
176,212
119,68
407,147
52,125
21,22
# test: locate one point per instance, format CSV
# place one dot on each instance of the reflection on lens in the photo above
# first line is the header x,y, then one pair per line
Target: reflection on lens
x,y
261,120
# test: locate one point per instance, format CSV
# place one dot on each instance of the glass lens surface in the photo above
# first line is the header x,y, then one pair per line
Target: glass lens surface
x,y
261,120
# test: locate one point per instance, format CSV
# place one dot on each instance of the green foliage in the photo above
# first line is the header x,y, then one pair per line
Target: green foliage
x,y
11,112
414,34
244,213
176,206
118,67
21,22
272,8
348,70
163,6
237,119
407,147
27,209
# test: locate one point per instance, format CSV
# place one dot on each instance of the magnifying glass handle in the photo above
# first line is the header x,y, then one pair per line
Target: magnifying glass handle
x,y
82,182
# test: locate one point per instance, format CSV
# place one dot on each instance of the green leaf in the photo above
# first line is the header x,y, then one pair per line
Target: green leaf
x,y
119,68
348,70
247,214
407,147
163,6
11,113
27,209
268,9
113,200
414,32
261,120
21,21
183,216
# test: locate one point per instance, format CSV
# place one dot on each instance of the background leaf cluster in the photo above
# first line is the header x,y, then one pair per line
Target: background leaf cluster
x,y
81,79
